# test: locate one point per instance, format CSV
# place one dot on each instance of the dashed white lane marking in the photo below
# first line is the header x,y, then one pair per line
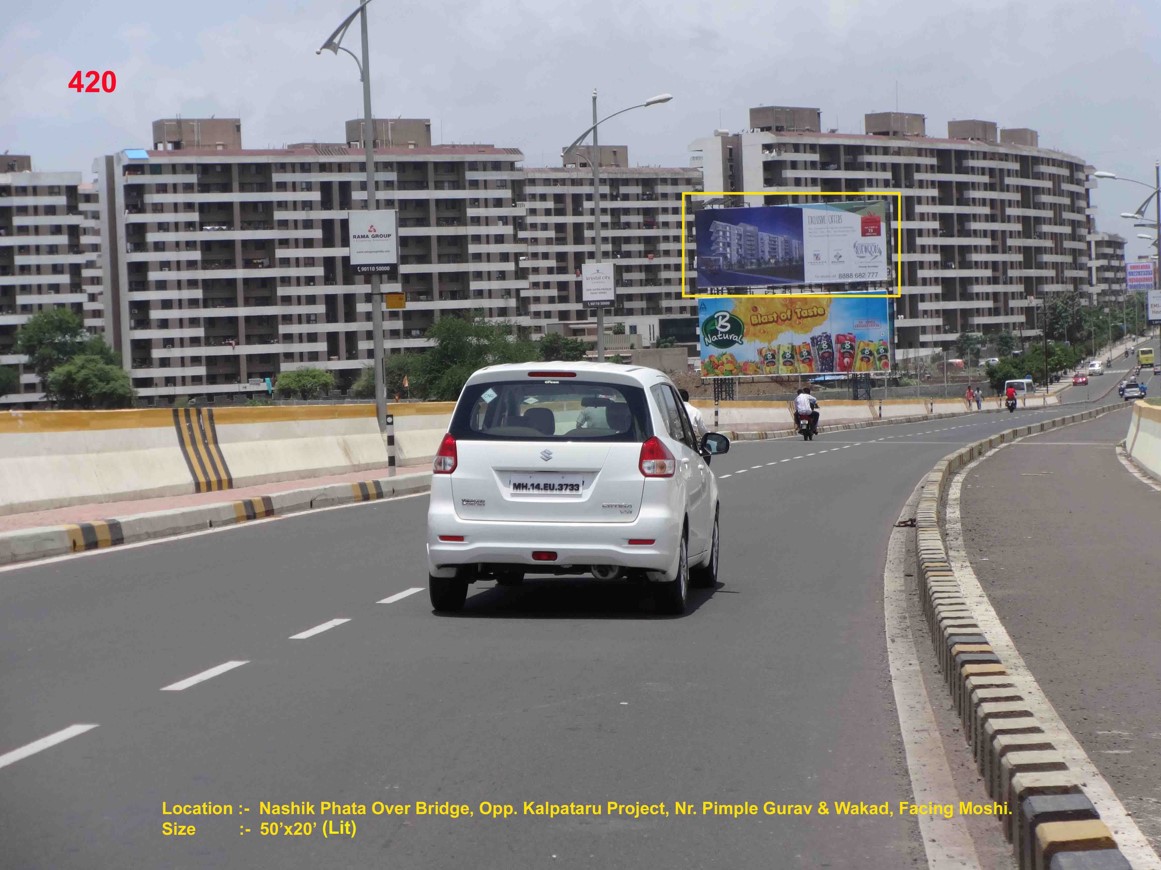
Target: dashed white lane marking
x,y
724,476
43,743
945,838
775,462
1129,837
180,685
755,467
399,596
318,629
741,471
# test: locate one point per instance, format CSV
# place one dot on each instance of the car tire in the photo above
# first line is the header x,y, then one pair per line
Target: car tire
x,y
706,576
672,594
448,594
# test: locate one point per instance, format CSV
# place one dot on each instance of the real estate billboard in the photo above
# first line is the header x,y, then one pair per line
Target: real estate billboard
x,y
794,336
792,245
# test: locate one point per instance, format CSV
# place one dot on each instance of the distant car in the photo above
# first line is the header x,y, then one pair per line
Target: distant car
x,y
1096,367
527,481
1133,390
1079,380
992,361
1157,370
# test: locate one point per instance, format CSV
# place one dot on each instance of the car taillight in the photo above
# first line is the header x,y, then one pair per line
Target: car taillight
x,y
656,460
445,458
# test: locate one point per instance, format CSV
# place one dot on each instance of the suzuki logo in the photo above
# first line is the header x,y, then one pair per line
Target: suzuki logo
x,y
546,455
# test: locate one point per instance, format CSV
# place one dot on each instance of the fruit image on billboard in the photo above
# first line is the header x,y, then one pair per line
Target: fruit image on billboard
x,y
792,245
789,336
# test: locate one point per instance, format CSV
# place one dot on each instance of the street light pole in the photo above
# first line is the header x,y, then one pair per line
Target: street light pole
x,y
333,43
595,163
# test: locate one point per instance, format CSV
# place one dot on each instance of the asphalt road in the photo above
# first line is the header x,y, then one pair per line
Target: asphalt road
x,y
1062,538
773,688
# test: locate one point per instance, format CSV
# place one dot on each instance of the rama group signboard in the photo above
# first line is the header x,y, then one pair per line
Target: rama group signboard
x,y
374,242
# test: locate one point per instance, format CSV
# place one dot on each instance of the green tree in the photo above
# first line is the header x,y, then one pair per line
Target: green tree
x,y
461,347
309,383
554,346
1006,342
9,380
618,328
55,336
968,345
666,341
397,368
89,381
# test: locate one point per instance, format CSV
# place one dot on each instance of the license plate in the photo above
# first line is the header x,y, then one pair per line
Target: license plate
x,y
546,483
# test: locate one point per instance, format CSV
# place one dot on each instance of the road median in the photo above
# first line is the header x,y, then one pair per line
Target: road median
x,y
1047,816
45,542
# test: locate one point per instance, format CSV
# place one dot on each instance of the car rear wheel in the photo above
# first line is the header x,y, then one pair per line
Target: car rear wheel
x,y
448,594
671,594
706,576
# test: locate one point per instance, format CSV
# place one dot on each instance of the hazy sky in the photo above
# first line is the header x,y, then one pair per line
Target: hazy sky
x,y
1085,73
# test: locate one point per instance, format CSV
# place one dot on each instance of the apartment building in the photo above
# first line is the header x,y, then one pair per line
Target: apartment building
x,y
990,220
640,233
1106,263
49,257
227,266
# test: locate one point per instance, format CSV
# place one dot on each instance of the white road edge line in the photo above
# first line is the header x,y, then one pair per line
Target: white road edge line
x,y
1112,812
947,841
43,743
399,596
181,685
318,629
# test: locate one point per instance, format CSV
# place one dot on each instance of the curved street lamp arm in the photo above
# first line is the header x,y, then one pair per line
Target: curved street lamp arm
x,y
585,134
333,42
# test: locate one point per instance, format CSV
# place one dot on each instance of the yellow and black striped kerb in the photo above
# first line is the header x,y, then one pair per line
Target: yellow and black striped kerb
x,y
198,437
253,508
95,535
367,490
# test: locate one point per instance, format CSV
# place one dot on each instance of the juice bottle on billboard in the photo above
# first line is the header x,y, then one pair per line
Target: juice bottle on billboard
x,y
883,355
866,356
845,351
769,359
805,358
787,361
823,352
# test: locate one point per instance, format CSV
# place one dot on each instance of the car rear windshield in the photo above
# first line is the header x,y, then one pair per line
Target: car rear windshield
x,y
551,410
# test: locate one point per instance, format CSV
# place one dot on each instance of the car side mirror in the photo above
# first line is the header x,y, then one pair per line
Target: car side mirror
x,y
713,444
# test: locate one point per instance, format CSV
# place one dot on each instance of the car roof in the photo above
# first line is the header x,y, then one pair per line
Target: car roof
x,y
612,372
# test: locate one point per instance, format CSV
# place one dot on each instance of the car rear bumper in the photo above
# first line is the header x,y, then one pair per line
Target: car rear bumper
x,y
575,544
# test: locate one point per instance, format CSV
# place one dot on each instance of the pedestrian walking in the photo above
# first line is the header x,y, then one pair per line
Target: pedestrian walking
x,y
968,397
979,399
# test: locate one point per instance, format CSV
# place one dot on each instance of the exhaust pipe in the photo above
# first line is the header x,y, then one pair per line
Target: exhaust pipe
x,y
605,572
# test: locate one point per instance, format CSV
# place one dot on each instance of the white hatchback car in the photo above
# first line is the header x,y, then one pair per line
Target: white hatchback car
x,y
572,468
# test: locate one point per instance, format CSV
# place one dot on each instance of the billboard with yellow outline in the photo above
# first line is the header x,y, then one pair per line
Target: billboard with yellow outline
x,y
779,254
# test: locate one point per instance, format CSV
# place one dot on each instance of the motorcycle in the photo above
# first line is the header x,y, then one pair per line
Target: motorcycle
x,y
805,429
1011,405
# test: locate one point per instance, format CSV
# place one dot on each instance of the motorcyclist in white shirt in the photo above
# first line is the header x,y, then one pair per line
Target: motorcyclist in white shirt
x,y
804,403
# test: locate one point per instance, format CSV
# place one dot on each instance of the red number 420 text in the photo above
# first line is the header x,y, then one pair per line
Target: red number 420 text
x,y
93,82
